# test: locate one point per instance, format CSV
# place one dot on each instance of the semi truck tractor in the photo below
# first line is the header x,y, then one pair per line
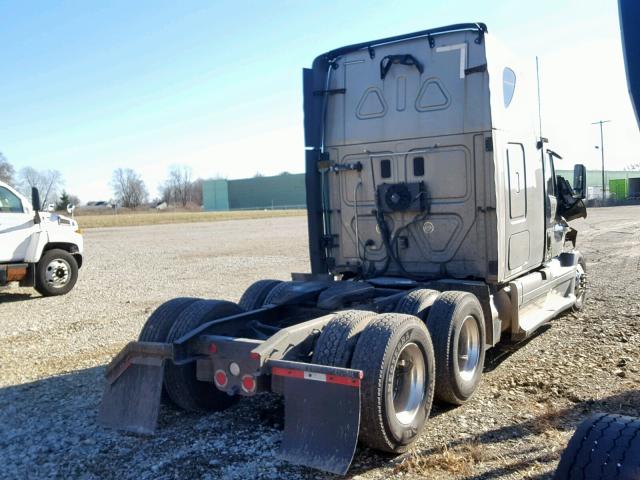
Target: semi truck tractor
x,y
37,249
437,228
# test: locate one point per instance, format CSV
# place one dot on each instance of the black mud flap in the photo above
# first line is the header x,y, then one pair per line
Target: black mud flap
x,y
131,399
322,414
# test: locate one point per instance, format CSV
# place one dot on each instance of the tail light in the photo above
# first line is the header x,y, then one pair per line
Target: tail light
x,y
221,378
248,383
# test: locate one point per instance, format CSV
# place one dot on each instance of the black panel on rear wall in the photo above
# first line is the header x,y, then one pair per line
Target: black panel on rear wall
x,y
385,168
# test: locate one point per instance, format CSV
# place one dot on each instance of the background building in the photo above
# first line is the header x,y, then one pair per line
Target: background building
x,y
280,191
616,182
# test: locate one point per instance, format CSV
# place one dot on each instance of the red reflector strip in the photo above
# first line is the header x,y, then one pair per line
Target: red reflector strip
x,y
287,372
318,377
351,382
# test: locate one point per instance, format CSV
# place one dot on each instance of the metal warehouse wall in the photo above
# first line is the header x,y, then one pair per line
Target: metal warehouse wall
x,y
264,192
279,191
215,195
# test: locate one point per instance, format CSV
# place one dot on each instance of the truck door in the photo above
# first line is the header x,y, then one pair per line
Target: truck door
x,y
16,227
518,240
554,231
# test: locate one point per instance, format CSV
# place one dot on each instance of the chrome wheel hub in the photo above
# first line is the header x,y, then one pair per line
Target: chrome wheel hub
x,y
58,273
468,348
581,282
409,383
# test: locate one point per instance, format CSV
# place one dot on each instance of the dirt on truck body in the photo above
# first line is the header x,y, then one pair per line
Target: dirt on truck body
x,y
437,228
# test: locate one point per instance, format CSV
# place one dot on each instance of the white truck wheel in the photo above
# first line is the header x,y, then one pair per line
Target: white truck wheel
x,y
56,273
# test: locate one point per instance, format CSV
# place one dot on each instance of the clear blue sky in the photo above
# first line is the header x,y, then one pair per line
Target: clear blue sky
x,y
90,86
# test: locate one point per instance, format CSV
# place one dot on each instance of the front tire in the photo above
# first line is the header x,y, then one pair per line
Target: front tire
x,y
56,273
580,289
396,355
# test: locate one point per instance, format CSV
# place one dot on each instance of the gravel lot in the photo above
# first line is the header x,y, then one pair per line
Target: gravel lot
x,y
53,352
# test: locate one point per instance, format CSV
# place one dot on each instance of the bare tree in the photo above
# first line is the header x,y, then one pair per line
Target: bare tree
x,y
129,188
6,170
632,167
178,188
196,191
48,182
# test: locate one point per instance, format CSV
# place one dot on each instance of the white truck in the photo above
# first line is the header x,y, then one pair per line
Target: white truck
x,y
39,249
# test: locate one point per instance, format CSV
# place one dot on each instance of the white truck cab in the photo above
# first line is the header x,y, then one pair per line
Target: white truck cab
x,y
39,249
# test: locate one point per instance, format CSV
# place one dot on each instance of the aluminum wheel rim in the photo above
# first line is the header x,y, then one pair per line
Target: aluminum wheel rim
x,y
580,289
408,383
58,273
468,348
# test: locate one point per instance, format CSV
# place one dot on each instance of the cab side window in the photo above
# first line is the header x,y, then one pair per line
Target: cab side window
x,y
9,202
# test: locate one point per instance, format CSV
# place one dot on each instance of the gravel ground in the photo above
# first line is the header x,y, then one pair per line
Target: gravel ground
x,y
53,352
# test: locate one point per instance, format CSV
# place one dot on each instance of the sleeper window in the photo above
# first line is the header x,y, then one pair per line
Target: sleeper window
x,y
508,85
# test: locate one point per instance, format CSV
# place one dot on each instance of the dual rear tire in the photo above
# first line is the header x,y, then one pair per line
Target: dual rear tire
x,y
457,327
396,356
177,317
395,353
168,323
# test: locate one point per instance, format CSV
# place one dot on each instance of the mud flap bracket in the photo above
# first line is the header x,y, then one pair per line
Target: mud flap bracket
x,y
322,414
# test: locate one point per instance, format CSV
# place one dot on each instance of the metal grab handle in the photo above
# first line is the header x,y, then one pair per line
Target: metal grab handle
x,y
407,59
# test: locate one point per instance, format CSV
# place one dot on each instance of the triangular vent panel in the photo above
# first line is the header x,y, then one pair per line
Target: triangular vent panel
x,y
432,96
372,104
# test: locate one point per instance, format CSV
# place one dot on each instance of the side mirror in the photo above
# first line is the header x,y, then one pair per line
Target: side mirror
x,y
70,208
35,202
580,181
51,208
35,198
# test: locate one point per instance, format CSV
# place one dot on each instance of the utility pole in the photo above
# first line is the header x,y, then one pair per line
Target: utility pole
x,y
600,122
